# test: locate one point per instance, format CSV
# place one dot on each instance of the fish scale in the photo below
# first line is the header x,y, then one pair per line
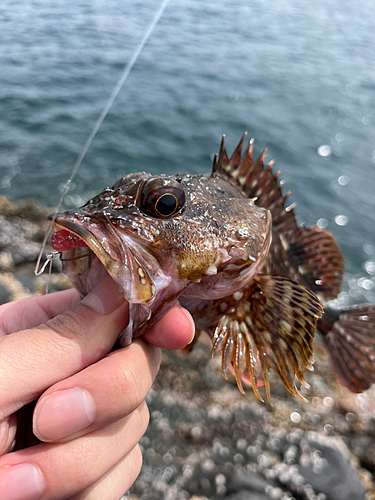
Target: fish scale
x,y
227,246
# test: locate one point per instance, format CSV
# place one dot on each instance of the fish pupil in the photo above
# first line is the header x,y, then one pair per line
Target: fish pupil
x,y
161,197
166,205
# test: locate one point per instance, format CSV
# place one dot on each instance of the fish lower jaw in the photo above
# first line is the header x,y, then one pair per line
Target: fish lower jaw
x,y
82,264
88,238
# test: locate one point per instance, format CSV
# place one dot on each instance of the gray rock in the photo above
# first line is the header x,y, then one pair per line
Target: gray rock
x,y
4,295
208,441
247,495
326,468
27,278
249,481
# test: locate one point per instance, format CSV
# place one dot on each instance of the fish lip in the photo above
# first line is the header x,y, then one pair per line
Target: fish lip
x,y
133,275
60,221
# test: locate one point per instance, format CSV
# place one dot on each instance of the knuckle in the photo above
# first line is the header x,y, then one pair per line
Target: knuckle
x,y
128,382
69,324
83,467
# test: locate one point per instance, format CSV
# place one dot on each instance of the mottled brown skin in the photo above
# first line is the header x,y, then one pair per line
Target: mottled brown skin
x,y
312,257
214,244
226,247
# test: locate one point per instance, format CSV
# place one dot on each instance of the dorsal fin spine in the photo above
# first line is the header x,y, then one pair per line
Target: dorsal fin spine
x,y
256,179
223,157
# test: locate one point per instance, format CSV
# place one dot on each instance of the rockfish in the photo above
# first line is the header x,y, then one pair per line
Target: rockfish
x,y
227,247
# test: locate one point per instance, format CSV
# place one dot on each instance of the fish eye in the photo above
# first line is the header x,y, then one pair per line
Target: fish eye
x,y
166,205
161,198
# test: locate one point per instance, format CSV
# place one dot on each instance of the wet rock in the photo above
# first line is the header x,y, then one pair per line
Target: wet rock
x,y
29,210
27,278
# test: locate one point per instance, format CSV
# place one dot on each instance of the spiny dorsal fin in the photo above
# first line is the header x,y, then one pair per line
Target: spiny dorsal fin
x,y
256,180
318,258
349,338
275,330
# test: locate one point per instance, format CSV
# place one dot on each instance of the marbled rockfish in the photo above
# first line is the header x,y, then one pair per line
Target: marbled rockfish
x,y
227,247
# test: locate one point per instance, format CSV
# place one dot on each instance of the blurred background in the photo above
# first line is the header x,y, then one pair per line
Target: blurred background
x,y
297,75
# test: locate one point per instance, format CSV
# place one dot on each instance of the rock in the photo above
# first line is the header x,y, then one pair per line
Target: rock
x,y
4,294
21,239
27,278
246,495
207,440
25,209
325,465
246,485
6,260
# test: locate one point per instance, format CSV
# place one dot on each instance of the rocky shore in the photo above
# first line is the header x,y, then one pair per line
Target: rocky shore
x,y
205,439
22,228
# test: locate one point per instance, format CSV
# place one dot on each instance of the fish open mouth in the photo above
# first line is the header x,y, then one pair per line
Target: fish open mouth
x,y
87,258
65,240
71,236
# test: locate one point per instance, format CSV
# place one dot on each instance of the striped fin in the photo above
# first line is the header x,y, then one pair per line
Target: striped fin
x,y
256,180
349,338
318,259
275,331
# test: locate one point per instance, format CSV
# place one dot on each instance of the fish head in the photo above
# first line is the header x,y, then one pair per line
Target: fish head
x,y
159,237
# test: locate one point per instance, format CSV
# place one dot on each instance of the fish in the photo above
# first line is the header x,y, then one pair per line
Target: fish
x,y
228,247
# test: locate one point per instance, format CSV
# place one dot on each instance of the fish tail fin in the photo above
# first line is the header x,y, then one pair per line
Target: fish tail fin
x,y
349,338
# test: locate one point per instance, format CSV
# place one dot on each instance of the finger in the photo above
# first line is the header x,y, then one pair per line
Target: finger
x,y
8,428
99,395
109,389
174,331
33,311
41,471
117,481
35,359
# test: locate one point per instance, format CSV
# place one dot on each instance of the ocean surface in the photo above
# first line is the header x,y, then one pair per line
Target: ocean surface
x,y
297,75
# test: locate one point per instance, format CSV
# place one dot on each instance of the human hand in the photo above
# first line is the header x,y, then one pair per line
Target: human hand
x,y
91,411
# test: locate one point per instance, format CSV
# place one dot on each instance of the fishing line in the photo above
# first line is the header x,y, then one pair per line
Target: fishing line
x,y
123,77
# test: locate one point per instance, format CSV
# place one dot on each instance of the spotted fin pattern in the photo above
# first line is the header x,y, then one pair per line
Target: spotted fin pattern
x,y
349,337
256,180
318,258
272,326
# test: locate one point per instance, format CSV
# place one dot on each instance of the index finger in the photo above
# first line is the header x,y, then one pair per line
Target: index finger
x,y
33,311
32,360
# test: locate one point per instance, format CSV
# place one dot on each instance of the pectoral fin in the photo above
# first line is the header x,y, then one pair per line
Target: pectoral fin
x,y
272,326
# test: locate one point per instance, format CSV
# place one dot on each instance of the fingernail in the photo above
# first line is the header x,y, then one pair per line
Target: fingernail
x,y
106,296
190,319
62,414
21,482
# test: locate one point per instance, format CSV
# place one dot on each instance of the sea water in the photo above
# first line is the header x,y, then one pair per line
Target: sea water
x,y
297,75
